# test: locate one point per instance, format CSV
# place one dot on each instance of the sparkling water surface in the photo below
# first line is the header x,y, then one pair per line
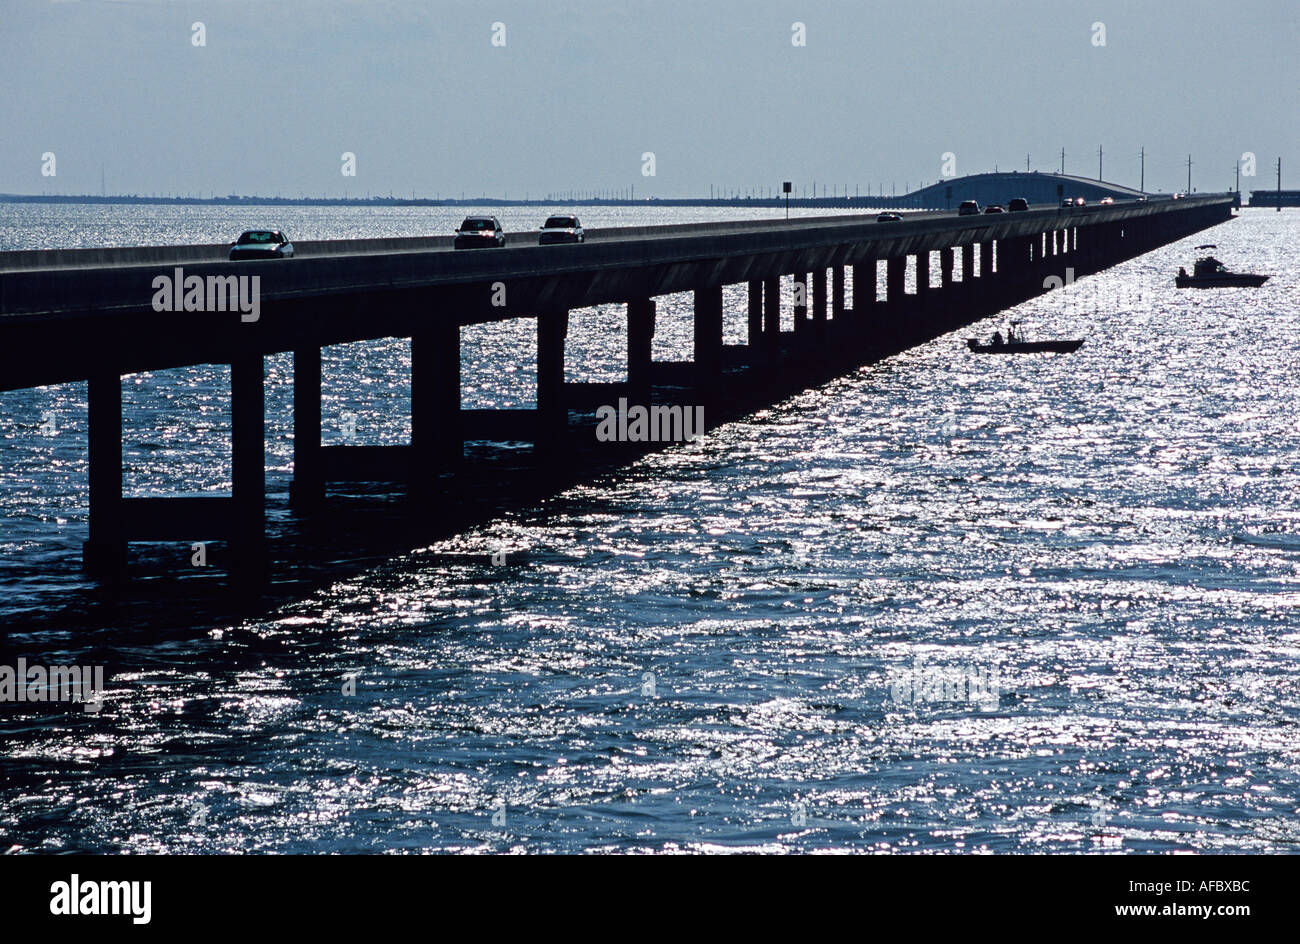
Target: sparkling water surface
x,y
703,651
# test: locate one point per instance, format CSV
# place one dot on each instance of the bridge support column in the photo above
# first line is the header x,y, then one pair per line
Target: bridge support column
x,y
640,347
897,313
819,303
984,273
755,320
248,462
923,280
772,318
864,292
308,485
437,440
802,289
708,334
895,273
104,554
946,261
552,410
1013,260
968,271
837,293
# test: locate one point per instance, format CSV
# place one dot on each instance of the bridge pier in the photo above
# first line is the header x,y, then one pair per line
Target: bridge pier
x,y
755,324
308,484
248,462
116,520
864,293
819,304
801,297
552,407
923,284
708,335
437,439
772,319
104,553
894,327
837,293
640,347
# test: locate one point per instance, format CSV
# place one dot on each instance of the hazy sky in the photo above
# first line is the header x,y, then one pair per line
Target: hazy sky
x,y
582,88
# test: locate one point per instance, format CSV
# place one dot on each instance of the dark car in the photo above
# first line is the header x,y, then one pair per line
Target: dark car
x,y
480,232
888,218
968,208
262,244
561,229
1017,203
1068,202
994,208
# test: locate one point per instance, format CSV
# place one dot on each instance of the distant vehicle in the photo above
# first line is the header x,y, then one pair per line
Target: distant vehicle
x,y
968,208
1068,202
480,232
1017,203
1179,196
1141,200
888,218
1079,201
1106,201
262,244
994,208
561,229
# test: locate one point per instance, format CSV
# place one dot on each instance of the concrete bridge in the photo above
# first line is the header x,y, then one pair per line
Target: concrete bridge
x,y
89,315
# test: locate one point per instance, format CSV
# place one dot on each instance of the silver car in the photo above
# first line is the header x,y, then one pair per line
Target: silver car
x,y
561,229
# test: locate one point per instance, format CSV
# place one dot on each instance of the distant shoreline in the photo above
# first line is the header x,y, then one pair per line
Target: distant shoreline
x,y
769,202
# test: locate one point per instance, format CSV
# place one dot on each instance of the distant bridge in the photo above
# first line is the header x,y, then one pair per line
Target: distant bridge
x,y
998,188
71,315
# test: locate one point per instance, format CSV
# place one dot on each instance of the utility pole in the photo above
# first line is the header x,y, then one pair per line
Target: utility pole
x,y
1238,176
1279,185
1099,177
1062,161
1143,156
1189,173
1026,163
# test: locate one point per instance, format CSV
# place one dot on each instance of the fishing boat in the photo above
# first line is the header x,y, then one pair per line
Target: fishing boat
x,y
1209,272
1017,344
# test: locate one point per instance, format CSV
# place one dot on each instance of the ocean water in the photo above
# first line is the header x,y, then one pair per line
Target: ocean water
x,y
942,604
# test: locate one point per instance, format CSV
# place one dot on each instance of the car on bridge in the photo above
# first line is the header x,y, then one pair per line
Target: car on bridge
x,y
1079,201
561,229
480,232
262,244
994,208
889,218
968,208
1068,203
1017,203
1106,201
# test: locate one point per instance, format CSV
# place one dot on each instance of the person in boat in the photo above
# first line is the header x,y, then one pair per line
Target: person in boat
x,y
997,338
1182,272
1011,335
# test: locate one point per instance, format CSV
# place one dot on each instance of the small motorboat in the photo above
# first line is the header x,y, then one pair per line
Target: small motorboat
x,y
1018,344
1209,272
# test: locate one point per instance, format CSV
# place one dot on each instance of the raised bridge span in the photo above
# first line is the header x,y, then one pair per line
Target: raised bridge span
x,y
74,315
